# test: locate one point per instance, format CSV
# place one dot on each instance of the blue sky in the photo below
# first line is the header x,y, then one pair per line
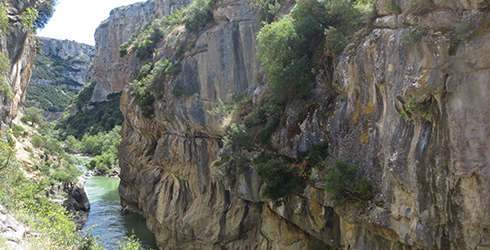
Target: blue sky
x,y
77,19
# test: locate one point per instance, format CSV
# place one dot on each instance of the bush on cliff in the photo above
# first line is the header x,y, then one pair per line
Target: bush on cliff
x,y
278,177
341,182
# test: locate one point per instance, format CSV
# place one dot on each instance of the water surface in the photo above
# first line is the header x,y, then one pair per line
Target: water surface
x,y
105,212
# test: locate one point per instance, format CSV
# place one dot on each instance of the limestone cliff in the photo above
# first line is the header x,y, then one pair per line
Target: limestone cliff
x,y
411,113
59,73
19,46
110,71
68,50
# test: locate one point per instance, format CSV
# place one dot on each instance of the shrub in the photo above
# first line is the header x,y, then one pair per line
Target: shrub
x,y
37,141
34,116
318,153
341,182
123,49
412,36
45,12
282,52
197,14
18,131
279,180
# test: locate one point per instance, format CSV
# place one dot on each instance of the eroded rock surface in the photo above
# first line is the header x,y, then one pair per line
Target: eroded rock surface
x,y
110,72
427,164
19,46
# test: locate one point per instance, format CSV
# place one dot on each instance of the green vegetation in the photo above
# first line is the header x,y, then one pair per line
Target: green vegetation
x,y
34,116
4,21
412,36
59,93
197,14
45,10
5,89
49,223
152,79
50,98
83,98
278,177
28,18
421,108
104,146
50,68
144,40
104,116
341,182
267,9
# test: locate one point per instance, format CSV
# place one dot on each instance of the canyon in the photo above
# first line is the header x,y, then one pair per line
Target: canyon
x,y
408,108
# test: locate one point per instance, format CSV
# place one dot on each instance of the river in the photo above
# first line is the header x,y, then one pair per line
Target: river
x,y
105,212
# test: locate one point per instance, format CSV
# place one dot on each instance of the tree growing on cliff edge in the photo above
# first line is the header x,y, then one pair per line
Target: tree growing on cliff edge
x,y
45,12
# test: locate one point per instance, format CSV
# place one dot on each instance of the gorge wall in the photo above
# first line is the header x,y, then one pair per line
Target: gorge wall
x,y
60,72
19,46
410,113
110,72
78,56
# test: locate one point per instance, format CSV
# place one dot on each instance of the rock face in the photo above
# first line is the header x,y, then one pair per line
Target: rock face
x,y
11,229
68,50
411,114
19,46
76,203
110,71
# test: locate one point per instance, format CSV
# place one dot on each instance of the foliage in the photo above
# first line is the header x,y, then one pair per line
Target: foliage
x,y
279,180
4,21
152,78
237,134
51,68
4,71
103,117
18,131
267,9
28,18
37,141
34,116
412,35
104,146
45,10
48,97
83,98
420,107
282,52
341,182
318,153
197,14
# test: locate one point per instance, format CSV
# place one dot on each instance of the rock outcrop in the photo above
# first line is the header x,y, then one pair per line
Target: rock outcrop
x,y
11,229
110,72
19,46
76,202
411,114
67,51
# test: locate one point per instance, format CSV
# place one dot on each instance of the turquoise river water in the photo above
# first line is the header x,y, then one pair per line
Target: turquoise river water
x,y
105,212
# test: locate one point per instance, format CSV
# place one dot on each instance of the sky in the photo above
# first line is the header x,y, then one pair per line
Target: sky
x,y
77,19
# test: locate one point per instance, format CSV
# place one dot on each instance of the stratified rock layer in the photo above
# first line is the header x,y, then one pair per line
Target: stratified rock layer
x,y
411,114
110,72
68,50
19,46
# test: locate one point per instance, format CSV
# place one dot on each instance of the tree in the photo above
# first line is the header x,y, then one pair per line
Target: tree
x,y
45,12
34,116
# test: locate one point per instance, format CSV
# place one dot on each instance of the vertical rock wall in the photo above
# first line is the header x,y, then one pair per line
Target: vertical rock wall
x,y
176,188
410,113
19,46
110,72
68,50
